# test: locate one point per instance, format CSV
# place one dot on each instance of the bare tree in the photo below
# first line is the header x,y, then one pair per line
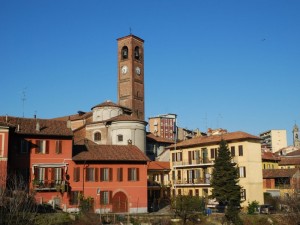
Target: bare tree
x,y
17,202
290,204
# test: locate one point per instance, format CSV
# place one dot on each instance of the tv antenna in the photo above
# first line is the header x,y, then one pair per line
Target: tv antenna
x,y
23,99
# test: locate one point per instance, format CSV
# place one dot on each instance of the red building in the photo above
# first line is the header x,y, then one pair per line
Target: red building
x,y
41,153
114,176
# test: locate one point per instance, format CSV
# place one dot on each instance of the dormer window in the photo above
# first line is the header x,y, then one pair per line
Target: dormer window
x,y
137,53
125,52
97,136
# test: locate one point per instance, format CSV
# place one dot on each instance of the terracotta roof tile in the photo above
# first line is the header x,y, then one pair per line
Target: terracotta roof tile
x,y
124,118
109,103
79,116
233,136
152,137
90,151
28,126
294,153
275,173
158,165
289,161
269,156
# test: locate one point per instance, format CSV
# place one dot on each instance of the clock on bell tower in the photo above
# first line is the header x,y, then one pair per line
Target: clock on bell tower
x,y
131,74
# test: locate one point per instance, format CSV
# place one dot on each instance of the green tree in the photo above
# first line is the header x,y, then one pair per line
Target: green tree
x,y
186,206
226,189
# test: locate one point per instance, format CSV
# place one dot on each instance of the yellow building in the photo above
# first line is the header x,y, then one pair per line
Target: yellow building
x,y
192,163
269,160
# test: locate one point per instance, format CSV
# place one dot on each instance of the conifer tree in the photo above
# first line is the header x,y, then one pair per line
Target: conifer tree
x,y
226,189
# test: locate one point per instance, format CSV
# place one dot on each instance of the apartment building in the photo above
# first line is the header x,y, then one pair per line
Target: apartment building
x,y
163,126
192,163
274,139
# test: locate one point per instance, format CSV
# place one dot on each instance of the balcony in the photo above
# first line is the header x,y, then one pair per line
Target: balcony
x,y
49,185
201,162
199,182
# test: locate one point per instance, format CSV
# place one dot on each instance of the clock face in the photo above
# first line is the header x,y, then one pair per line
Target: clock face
x,y
124,69
138,70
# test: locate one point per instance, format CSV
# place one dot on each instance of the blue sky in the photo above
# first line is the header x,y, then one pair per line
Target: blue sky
x,y
232,64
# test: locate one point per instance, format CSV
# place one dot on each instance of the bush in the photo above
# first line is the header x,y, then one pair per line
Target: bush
x,y
253,207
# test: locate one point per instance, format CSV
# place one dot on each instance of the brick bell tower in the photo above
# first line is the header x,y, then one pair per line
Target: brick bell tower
x,y
131,74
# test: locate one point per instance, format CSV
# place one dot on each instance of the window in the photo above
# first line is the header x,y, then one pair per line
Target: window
x,y
76,174
25,145
120,138
58,147
179,175
91,174
105,197
137,53
74,198
40,174
133,174
124,52
173,175
106,174
176,156
190,192
120,174
97,136
179,191
242,171
213,153
243,195
197,192
241,153
57,175
232,149
179,156
42,147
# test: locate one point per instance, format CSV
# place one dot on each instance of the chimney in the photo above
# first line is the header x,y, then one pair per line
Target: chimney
x,y
69,123
37,126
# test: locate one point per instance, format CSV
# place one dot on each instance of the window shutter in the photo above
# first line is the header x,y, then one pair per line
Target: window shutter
x,y
53,171
101,174
96,174
121,174
110,197
212,153
86,174
129,174
37,146
101,197
137,174
173,157
36,172
76,174
110,174
244,171
46,174
75,179
47,147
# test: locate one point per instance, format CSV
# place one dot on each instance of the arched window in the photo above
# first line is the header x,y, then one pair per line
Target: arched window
x,y
124,52
97,136
137,53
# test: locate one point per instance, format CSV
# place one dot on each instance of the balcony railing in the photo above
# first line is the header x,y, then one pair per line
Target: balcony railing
x,y
282,186
48,185
192,182
192,163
